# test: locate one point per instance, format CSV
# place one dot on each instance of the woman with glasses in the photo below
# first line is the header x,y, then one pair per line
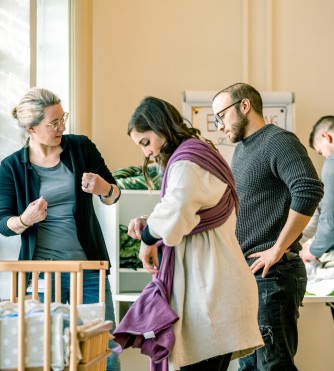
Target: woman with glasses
x,y
213,294
46,193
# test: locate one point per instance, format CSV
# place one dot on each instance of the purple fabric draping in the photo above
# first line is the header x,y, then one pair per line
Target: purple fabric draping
x,y
148,324
209,159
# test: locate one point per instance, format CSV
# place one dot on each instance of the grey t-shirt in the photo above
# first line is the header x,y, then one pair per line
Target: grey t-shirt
x,y
57,237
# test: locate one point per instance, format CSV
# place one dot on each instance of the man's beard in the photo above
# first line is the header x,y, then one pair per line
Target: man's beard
x,y
239,128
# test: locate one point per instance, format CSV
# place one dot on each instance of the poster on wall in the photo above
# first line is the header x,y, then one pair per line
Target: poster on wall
x,y
278,109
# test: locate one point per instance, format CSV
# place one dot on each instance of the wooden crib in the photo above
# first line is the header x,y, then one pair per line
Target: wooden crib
x,y
92,338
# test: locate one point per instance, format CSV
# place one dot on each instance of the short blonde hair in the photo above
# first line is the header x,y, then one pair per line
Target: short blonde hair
x,y
30,111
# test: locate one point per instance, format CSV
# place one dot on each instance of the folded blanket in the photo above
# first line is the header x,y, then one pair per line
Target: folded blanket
x,y
34,319
320,281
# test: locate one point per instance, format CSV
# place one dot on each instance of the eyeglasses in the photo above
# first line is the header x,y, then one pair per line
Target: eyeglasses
x,y
55,125
218,119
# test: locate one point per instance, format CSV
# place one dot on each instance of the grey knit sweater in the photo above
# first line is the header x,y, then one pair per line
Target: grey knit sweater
x,y
273,174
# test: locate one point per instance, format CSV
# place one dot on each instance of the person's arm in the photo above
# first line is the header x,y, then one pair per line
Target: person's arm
x,y
305,254
112,196
324,237
99,180
190,188
306,190
15,216
109,193
311,228
148,254
292,229
17,225
10,199
34,213
308,237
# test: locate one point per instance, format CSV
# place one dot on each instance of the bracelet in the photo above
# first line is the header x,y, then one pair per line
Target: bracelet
x,y
23,225
110,192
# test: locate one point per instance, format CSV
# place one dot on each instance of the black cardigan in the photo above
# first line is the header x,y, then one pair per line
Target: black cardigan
x,y
20,185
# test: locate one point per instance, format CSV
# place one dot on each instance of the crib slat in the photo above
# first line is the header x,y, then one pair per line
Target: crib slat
x,y
73,324
34,280
102,286
80,287
58,287
20,324
13,287
47,321
18,271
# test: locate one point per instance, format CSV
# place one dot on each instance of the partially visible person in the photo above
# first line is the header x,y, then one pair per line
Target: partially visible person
x,y
310,229
320,243
213,292
278,190
46,194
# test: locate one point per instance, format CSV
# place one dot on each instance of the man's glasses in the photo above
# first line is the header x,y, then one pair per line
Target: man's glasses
x,y
55,124
218,119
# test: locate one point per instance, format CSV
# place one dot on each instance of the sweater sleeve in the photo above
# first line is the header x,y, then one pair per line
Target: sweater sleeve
x,y
190,188
291,163
324,237
147,237
96,163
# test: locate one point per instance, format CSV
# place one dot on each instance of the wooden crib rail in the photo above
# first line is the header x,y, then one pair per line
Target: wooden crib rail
x,y
75,268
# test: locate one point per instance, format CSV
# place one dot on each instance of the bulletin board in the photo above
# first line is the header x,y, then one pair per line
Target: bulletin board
x,y
278,109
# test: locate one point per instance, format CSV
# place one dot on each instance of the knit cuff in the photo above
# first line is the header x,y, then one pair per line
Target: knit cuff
x,y
304,206
147,238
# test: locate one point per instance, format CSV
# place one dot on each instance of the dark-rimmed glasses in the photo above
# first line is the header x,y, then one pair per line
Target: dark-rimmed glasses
x,y
218,119
55,124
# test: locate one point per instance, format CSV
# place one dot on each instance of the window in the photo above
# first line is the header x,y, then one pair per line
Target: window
x,y
34,51
52,43
14,68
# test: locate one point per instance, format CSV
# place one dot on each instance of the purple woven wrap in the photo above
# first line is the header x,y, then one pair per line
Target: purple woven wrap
x,y
209,159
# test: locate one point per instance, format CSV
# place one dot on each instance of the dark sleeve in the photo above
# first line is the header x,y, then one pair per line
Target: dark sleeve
x,y
96,163
8,199
289,161
147,237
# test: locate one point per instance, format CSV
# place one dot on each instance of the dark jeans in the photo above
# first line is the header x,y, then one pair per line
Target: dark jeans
x,y
91,295
219,363
280,295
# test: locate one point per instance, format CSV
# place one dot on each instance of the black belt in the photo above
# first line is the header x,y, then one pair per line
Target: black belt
x,y
288,256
